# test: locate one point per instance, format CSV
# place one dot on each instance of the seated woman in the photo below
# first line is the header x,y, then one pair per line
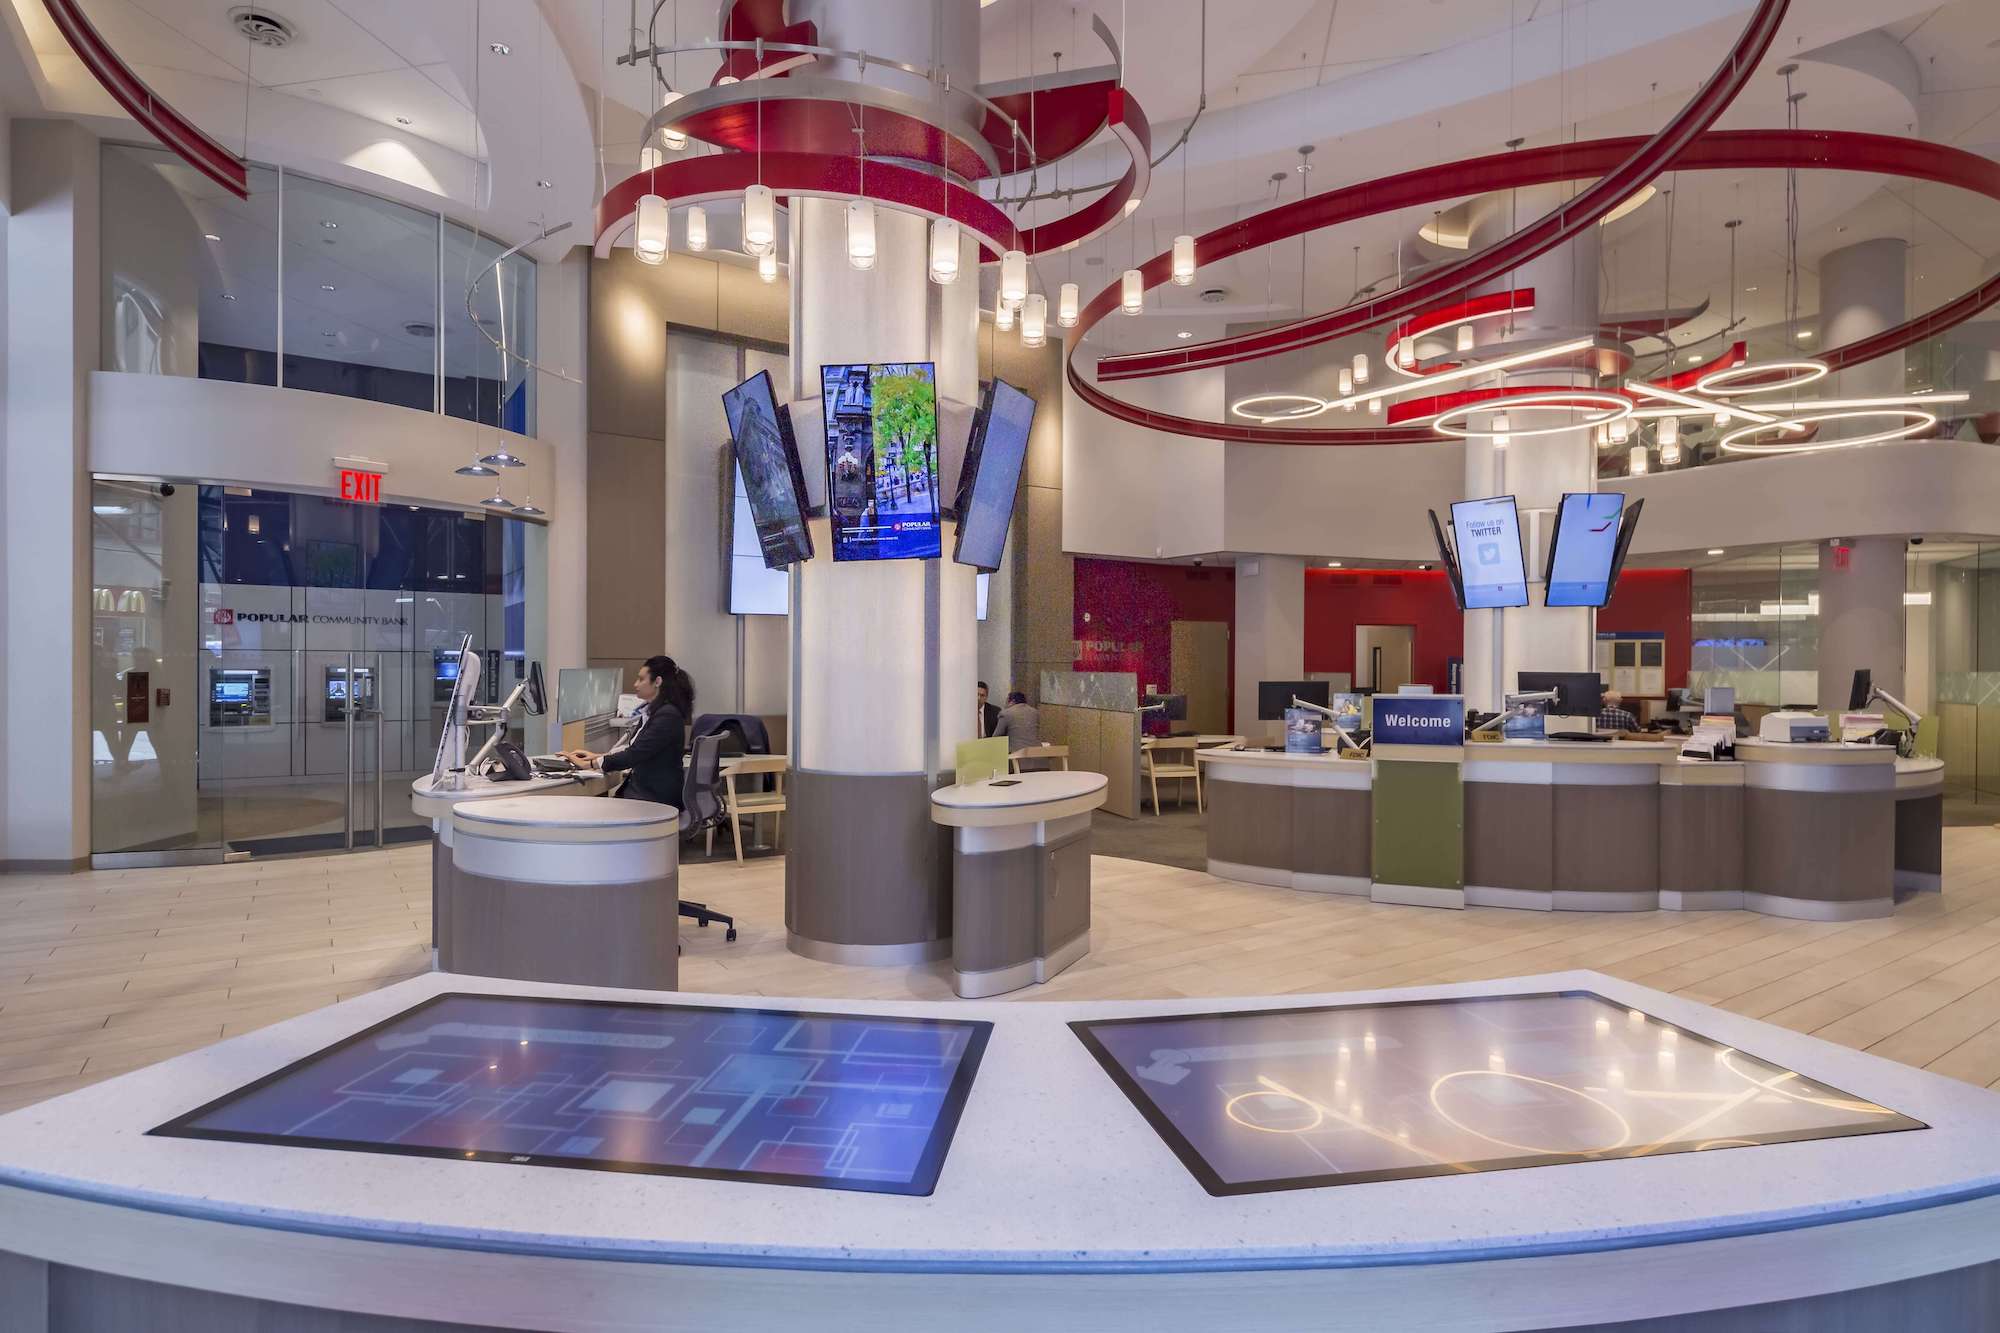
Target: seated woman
x,y
652,761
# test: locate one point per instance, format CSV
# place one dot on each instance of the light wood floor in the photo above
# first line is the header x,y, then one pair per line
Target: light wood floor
x,y
110,970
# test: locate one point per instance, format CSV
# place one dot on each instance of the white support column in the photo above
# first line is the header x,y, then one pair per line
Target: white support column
x,y
1861,293
562,422
1860,617
52,341
1270,634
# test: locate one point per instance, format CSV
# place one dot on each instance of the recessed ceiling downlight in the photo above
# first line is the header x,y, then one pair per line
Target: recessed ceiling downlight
x,y
263,27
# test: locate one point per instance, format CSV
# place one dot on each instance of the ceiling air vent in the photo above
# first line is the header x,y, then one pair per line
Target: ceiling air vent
x,y
417,328
262,26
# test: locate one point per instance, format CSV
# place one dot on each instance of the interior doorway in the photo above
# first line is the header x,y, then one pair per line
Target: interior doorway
x,y
1383,657
1198,665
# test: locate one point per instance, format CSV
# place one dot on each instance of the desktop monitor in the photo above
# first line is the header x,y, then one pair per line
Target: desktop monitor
x,y
991,474
1582,549
774,483
1863,687
1578,693
1275,696
881,460
1487,536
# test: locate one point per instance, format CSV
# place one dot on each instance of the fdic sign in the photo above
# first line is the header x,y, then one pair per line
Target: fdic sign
x,y
1419,719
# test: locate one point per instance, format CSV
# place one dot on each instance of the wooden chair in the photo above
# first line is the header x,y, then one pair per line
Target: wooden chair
x,y
1170,757
1039,752
754,803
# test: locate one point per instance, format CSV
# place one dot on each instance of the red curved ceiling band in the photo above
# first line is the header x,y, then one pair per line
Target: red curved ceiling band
x,y
724,176
167,125
1733,355
1129,126
1537,238
1718,150
1447,313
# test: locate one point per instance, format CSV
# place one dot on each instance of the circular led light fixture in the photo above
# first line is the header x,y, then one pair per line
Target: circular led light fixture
x,y
1913,422
531,509
501,458
1302,405
498,501
1608,408
1731,381
475,469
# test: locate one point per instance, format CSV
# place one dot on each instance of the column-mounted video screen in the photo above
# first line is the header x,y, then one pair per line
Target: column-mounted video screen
x,y
992,474
881,460
1488,536
773,480
1582,549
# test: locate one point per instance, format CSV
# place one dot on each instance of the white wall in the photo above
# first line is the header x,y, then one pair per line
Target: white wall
x,y
1134,492
256,435
1362,503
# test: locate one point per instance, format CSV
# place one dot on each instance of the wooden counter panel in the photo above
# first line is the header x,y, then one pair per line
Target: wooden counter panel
x,y
1510,834
1249,823
1819,846
1607,839
1701,839
1330,830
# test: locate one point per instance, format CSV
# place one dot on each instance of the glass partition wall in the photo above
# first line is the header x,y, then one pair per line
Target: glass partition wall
x,y
268,669
314,286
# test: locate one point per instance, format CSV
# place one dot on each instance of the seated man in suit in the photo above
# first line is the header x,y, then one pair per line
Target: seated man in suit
x,y
1020,723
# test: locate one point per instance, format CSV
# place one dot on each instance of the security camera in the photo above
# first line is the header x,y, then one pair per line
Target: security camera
x,y
166,489
1197,562
1916,541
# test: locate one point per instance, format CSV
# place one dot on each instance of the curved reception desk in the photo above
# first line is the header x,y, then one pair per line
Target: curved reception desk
x,y
436,804
1556,1152
1818,832
549,889
1020,877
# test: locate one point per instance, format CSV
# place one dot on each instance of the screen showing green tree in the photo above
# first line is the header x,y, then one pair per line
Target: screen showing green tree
x,y
881,460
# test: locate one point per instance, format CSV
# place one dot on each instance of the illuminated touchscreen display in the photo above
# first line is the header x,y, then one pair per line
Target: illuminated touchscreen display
x,y
1280,1099
837,1101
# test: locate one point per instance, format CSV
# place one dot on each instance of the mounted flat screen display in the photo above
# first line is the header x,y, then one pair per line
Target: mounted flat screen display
x,y
1488,536
992,475
1448,562
773,1096
1582,548
773,480
881,460
1281,1099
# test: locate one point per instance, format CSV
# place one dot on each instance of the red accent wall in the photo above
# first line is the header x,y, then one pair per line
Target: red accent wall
x,y
1339,599
1660,600
1130,605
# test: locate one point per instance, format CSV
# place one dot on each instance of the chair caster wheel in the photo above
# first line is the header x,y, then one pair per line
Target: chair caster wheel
x,y
730,934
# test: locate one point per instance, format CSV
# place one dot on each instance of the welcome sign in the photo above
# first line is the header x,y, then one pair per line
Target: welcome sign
x,y
1419,719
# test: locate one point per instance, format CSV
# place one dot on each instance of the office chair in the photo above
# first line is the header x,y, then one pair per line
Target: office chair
x,y
701,811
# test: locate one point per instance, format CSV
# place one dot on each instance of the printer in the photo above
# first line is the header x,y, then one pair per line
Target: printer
x,y
1794,728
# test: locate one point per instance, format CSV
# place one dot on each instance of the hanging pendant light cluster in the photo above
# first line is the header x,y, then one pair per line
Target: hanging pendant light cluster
x,y
1668,437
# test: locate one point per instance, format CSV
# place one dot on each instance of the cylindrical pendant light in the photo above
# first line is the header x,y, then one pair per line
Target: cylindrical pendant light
x,y
760,219
1669,440
672,137
1603,437
1014,277
1132,292
1722,418
1465,337
1637,461
861,233
651,158
767,264
1034,320
1406,352
1374,407
1003,316
1361,367
1346,381
1183,260
697,228
944,251
649,229
1066,305
1347,406
1621,430
653,257
1500,437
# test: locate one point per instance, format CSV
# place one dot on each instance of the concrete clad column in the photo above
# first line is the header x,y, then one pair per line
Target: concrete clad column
x,y
1536,470
1861,292
883,654
1270,634
1860,617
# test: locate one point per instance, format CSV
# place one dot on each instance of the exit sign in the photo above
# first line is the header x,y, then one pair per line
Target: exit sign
x,y
360,487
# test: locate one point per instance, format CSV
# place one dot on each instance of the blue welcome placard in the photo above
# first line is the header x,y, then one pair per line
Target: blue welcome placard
x,y
1419,719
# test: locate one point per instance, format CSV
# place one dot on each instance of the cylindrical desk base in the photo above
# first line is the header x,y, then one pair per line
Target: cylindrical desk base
x,y
1020,904
587,934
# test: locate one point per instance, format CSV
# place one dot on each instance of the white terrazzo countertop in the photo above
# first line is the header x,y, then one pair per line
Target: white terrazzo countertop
x,y
1052,1170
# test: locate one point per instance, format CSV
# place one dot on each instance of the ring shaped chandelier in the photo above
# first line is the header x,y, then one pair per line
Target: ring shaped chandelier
x,y
1605,407
1914,422
1743,381
1309,405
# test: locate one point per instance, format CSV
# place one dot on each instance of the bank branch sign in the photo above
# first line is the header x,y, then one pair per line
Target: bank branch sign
x,y
1419,719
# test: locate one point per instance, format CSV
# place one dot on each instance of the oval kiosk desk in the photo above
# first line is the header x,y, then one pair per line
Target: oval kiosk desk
x,y
545,888
1020,877
436,804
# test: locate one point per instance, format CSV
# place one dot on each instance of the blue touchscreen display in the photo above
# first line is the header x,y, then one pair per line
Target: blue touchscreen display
x,y
838,1101
1488,536
1585,543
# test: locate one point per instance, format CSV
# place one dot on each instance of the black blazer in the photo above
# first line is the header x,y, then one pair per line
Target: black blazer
x,y
992,712
652,762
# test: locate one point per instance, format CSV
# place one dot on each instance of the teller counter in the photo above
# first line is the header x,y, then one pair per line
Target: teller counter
x,y
1567,1151
1817,832
436,803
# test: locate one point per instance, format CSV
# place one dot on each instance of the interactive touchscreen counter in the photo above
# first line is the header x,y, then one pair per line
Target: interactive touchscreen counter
x,y
1281,1099
837,1101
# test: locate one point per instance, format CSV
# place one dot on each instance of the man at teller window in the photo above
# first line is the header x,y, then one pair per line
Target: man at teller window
x,y
651,762
1613,715
989,715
